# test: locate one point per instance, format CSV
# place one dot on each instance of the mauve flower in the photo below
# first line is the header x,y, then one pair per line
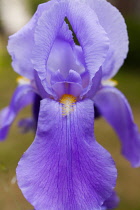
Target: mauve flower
x,y
65,168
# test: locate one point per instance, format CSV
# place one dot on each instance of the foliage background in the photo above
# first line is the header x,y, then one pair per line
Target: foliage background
x,y
128,184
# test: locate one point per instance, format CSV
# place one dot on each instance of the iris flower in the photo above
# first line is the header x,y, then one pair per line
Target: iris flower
x,y
65,168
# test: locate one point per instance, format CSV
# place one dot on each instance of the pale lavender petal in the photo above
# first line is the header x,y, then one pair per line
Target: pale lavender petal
x,y
22,96
113,23
71,88
65,168
66,34
40,88
71,85
85,79
96,83
78,53
115,108
73,76
21,44
46,32
91,36
57,77
62,58
59,89
112,202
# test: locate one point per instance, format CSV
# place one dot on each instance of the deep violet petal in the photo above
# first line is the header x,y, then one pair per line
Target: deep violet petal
x,y
65,168
115,108
22,96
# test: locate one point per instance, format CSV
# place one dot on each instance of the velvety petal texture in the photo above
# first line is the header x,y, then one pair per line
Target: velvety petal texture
x,y
22,96
113,105
65,168
114,25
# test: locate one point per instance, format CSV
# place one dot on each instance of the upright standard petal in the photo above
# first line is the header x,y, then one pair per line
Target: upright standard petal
x,y
22,96
91,35
46,32
71,170
21,44
114,25
114,107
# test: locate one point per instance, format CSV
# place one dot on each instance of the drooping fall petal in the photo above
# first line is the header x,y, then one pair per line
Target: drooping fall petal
x,y
22,97
65,168
115,108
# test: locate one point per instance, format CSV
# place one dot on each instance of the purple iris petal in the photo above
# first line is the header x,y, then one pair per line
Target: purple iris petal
x,y
71,85
62,51
39,86
114,107
22,96
91,36
20,45
74,77
62,88
112,202
49,29
78,53
85,24
96,83
65,168
113,23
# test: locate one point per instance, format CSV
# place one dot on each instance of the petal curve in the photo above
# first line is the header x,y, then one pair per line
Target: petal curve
x,y
113,23
91,36
114,107
65,168
20,45
22,97
112,202
49,30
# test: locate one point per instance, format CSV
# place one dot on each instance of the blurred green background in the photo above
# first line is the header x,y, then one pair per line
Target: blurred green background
x,y
128,184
